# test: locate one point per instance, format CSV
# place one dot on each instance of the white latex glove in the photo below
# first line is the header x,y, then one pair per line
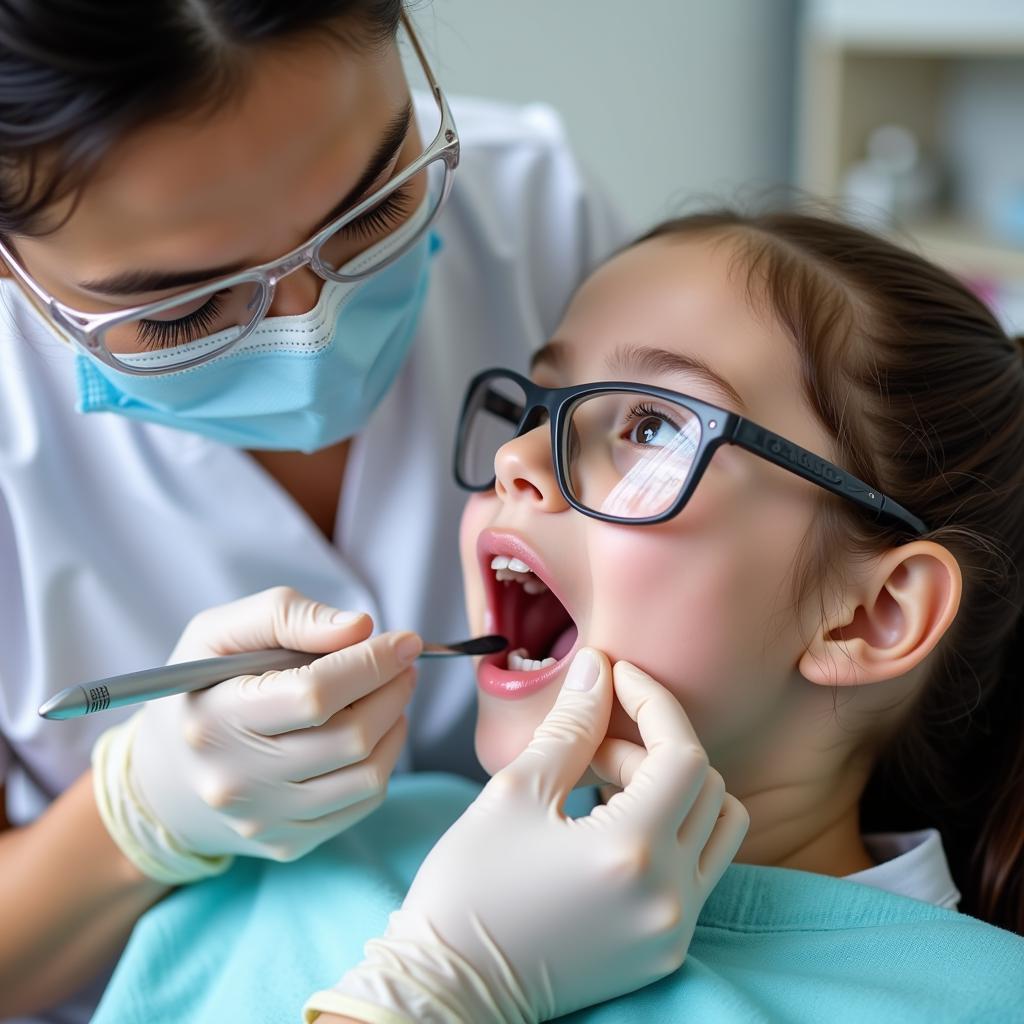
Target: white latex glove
x,y
520,914
267,766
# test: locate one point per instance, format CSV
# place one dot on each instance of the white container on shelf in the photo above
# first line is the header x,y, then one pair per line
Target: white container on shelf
x,y
894,184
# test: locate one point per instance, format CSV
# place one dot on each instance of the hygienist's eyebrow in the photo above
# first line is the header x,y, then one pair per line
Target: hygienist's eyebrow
x,y
642,359
141,282
390,145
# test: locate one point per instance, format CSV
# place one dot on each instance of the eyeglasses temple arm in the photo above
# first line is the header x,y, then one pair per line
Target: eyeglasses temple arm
x,y
421,56
509,410
820,471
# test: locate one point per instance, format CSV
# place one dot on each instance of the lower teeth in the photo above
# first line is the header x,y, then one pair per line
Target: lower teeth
x,y
519,661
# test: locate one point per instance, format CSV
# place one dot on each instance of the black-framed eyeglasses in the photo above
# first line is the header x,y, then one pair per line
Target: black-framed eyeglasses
x,y
632,453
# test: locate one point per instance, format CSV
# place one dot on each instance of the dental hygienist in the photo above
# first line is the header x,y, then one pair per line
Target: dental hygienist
x,y
236,321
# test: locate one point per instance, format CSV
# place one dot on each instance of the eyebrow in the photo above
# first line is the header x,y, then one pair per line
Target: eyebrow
x,y
137,282
641,359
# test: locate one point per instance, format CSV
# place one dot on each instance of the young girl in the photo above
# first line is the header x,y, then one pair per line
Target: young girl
x,y
797,500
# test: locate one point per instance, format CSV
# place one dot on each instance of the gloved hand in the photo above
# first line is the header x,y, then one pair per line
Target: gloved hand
x,y
267,766
520,914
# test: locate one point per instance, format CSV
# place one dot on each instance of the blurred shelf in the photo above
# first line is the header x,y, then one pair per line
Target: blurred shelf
x,y
939,27
965,249
867,63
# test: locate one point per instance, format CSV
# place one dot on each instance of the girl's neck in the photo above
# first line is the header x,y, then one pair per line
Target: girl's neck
x,y
794,827
801,774
827,847
810,824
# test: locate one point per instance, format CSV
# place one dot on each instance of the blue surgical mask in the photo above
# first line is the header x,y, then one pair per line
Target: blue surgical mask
x,y
297,383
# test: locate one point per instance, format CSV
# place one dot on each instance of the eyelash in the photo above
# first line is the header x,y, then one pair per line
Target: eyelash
x,y
382,216
642,411
160,334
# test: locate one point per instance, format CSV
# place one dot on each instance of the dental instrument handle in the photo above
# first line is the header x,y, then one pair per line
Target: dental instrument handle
x,y
136,687
150,684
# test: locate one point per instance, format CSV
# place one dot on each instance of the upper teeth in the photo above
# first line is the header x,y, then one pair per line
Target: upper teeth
x,y
508,569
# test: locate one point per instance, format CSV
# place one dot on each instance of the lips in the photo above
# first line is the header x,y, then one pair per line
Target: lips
x,y
533,617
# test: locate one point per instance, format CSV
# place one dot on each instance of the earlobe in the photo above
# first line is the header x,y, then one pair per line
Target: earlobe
x,y
889,620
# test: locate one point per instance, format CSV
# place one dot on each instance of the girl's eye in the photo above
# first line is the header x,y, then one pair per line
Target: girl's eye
x,y
385,216
650,427
160,334
648,431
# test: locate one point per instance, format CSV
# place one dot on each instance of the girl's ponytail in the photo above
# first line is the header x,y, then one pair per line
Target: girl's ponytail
x,y
999,857
998,863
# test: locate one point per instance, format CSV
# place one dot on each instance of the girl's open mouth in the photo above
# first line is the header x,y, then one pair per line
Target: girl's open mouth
x,y
523,606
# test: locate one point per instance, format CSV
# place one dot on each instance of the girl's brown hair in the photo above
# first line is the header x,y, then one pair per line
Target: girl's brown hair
x,y
923,392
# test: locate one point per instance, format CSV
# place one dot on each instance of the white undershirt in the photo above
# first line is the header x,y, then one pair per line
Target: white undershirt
x,y
910,864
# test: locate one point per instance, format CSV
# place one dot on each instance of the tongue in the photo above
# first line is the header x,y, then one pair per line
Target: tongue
x,y
563,645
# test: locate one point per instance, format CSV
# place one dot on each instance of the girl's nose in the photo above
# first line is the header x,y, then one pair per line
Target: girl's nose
x,y
297,293
523,471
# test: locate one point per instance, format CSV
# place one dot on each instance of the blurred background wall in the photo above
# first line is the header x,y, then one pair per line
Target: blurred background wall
x,y
661,98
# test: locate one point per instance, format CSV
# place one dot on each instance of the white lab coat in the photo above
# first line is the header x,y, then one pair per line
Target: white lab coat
x,y
113,533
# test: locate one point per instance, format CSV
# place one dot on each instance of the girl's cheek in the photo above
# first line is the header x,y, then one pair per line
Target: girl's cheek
x,y
476,516
670,608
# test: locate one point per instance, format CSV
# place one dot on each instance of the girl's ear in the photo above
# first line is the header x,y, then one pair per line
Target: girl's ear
x,y
889,620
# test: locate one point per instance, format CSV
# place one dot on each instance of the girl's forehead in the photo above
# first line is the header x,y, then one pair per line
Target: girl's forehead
x,y
674,284
683,295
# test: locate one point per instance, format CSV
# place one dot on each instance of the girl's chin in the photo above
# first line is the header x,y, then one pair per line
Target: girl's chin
x,y
504,729
492,760
496,750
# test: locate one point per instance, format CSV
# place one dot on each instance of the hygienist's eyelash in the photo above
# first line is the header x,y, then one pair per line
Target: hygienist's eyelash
x,y
157,334
160,334
383,216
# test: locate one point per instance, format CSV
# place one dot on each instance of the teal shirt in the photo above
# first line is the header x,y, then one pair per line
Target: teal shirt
x,y
771,944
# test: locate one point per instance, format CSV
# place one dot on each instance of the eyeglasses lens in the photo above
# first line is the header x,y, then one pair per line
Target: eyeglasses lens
x,y
419,198
170,336
492,414
629,454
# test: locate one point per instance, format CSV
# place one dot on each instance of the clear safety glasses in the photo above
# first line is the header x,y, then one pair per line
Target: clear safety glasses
x,y
632,453
354,246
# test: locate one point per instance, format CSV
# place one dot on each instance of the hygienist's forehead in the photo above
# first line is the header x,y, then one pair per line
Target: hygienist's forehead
x,y
242,182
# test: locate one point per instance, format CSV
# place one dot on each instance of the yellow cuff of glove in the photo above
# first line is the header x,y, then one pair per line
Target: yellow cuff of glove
x,y
330,1001
141,838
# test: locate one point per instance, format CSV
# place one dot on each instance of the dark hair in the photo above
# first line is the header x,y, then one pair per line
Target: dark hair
x,y
923,392
76,75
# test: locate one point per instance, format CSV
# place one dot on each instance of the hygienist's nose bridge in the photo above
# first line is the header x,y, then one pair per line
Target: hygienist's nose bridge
x,y
298,295
288,266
